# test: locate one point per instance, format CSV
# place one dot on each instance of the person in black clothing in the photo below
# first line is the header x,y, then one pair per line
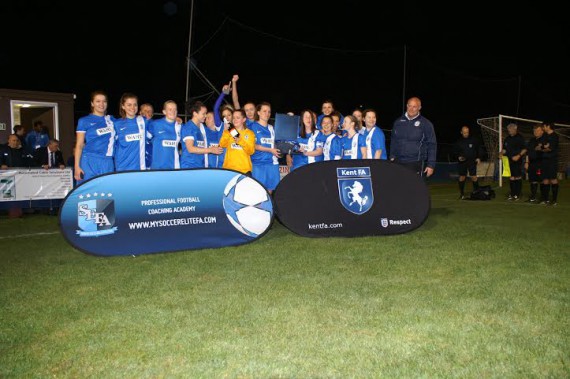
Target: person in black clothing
x,y
20,131
467,151
49,156
13,155
549,165
514,147
533,162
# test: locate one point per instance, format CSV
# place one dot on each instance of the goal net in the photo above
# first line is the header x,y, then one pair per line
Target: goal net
x,y
494,131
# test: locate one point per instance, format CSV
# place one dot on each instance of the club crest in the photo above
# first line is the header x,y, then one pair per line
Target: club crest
x,y
96,217
355,189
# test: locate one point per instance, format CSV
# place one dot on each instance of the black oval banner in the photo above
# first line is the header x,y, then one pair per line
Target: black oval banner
x,y
351,198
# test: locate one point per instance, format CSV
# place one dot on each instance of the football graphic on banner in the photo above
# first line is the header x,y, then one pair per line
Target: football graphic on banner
x,y
248,206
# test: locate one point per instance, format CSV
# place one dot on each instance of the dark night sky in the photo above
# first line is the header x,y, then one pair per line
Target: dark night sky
x,y
466,61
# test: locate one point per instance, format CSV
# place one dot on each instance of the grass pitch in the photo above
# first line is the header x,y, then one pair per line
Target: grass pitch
x,y
482,289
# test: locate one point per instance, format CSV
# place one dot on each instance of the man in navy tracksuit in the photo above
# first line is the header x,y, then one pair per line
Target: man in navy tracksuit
x,y
413,143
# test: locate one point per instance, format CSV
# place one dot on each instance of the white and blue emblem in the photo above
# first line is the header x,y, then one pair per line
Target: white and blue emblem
x,y
96,215
355,189
8,186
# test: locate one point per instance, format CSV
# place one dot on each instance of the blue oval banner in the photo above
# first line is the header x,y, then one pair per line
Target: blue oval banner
x,y
350,198
143,212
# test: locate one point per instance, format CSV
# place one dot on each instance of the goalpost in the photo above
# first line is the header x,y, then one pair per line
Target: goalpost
x,y
494,131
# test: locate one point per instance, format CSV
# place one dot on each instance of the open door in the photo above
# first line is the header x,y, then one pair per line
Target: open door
x,y
25,112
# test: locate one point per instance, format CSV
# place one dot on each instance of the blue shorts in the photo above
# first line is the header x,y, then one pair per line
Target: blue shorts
x,y
95,165
266,174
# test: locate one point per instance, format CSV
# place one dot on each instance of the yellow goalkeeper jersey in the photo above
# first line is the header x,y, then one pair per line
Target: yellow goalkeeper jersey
x,y
238,155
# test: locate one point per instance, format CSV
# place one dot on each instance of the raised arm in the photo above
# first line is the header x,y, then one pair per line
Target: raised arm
x,y
218,104
235,98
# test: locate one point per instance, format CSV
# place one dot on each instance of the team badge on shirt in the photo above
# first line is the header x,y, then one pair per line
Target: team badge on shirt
x,y
355,189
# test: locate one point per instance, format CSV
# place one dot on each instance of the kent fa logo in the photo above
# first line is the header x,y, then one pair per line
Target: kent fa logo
x,y
355,189
96,217
384,222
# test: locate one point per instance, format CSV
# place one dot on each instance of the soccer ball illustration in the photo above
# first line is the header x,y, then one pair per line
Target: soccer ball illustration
x,y
248,205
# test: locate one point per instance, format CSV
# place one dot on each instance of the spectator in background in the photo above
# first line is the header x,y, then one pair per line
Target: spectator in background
x,y
413,142
37,137
95,140
20,131
13,155
549,165
533,161
49,156
467,151
514,147
45,131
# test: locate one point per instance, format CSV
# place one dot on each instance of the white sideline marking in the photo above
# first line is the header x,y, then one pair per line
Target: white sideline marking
x,y
28,235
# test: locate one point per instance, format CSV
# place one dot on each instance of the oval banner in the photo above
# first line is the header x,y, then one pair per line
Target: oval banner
x,y
350,198
142,212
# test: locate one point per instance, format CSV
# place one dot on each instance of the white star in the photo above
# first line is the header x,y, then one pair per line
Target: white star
x,y
88,195
95,194
109,194
81,196
102,195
